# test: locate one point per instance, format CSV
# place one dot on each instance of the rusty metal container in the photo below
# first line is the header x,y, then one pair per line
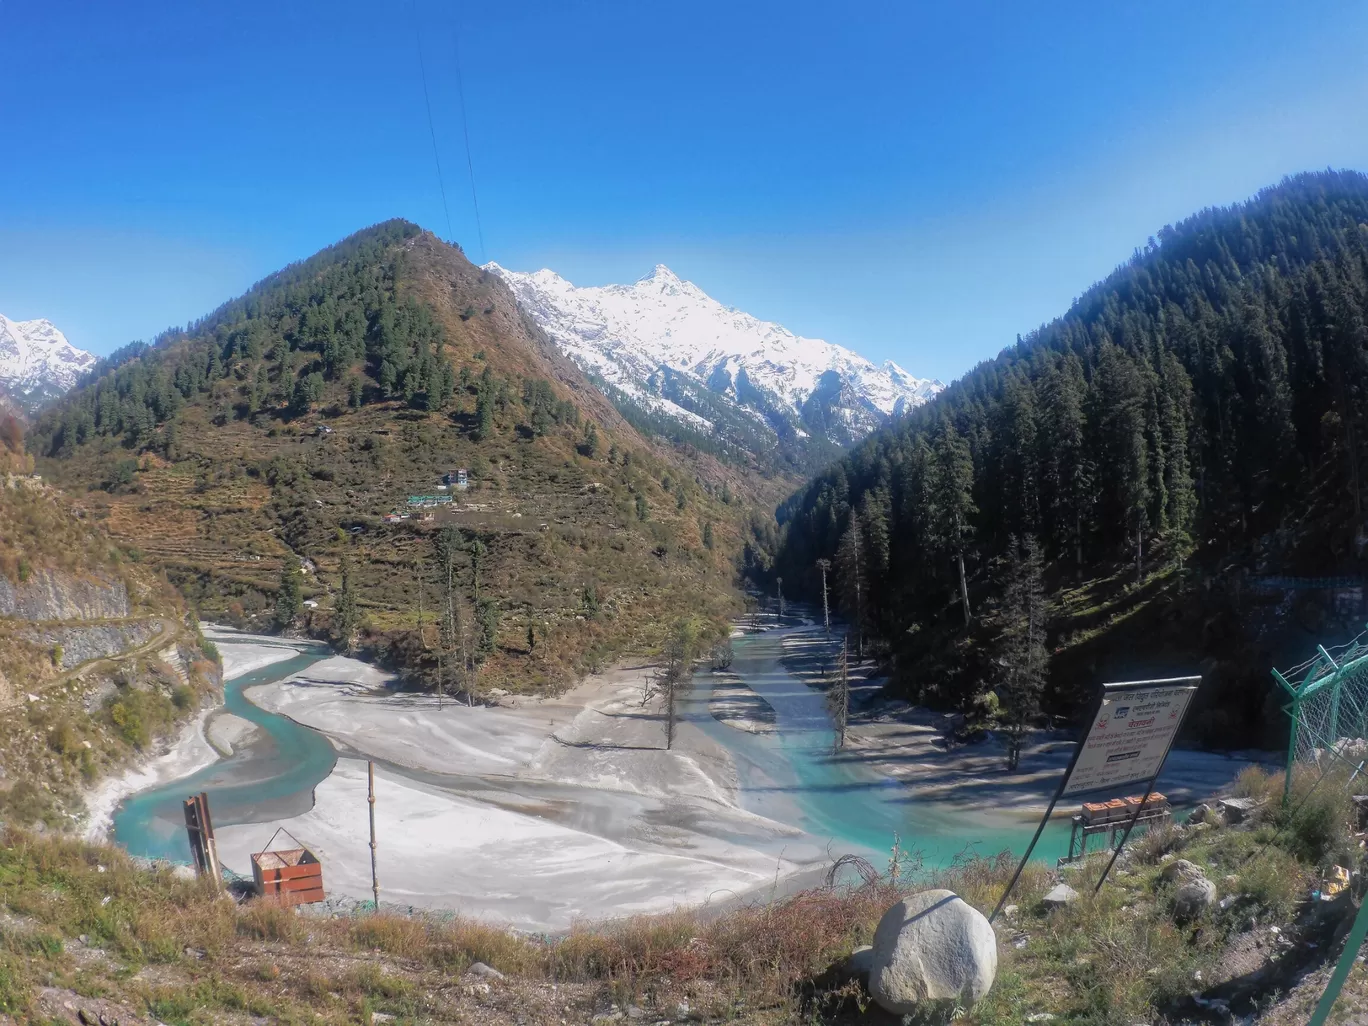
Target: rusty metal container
x,y
293,876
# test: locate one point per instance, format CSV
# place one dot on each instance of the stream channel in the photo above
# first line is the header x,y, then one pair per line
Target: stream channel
x,y
788,775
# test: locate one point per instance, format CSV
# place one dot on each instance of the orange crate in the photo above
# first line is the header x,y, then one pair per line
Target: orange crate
x,y
1096,812
293,877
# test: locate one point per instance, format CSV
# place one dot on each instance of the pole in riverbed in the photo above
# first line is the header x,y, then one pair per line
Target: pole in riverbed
x,y
370,797
824,565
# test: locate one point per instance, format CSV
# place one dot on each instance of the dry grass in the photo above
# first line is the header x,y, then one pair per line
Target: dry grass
x,y
1109,959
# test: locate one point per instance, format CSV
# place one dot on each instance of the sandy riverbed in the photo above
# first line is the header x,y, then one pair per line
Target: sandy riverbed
x,y
908,744
538,814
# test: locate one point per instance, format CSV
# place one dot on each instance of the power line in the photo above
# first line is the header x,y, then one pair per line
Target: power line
x,y
422,72
465,131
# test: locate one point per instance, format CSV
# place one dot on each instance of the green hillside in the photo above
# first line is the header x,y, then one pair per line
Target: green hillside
x,y
1191,428
264,446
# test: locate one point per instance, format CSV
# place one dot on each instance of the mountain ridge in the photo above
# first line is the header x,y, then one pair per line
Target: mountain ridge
x,y
664,344
294,425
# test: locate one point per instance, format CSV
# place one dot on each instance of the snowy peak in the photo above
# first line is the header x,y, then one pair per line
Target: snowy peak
x,y
668,346
37,362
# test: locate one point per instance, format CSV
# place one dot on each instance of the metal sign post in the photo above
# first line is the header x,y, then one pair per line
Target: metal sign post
x,y
1130,732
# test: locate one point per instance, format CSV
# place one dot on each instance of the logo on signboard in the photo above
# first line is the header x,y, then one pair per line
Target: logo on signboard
x,y
1121,713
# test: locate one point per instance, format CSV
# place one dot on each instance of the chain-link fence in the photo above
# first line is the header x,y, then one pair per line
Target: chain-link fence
x,y
1329,707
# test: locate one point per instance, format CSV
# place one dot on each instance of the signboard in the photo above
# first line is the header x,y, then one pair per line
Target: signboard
x,y
1130,735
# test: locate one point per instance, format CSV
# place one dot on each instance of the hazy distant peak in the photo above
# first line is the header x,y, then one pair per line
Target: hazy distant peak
x,y
37,362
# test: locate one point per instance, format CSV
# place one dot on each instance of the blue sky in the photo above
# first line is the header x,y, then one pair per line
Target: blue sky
x,y
919,182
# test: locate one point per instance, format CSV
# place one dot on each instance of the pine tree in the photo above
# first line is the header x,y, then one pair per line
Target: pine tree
x,y
489,629
1065,468
1120,397
477,550
850,576
951,503
674,676
484,413
1021,654
290,593
345,619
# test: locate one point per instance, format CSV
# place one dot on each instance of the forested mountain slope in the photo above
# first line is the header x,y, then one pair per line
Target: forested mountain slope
x,y
257,455
1192,426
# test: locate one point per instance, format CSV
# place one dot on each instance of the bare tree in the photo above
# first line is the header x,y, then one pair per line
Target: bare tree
x,y
824,565
838,698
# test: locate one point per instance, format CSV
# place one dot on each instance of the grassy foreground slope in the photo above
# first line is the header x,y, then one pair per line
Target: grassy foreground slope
x,y
85,933
289,422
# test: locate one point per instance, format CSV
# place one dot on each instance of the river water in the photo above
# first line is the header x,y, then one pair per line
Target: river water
x,y
789,775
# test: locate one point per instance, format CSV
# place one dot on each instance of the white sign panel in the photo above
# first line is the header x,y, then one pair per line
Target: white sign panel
x,y
1130,736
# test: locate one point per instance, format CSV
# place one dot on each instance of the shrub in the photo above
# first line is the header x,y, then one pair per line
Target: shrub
x,y
1317,824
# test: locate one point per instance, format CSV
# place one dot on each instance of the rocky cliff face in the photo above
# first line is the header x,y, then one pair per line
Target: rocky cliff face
x,y
98,641
53,595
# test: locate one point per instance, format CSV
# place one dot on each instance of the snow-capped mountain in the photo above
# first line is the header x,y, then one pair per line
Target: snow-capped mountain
x,y
37,362
666,345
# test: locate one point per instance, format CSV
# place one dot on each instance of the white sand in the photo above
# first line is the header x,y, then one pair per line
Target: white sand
x,y
442,851
227,732
597,735
736,705
243,653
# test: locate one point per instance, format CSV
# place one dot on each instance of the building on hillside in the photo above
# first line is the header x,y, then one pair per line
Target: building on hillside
x,y
458,479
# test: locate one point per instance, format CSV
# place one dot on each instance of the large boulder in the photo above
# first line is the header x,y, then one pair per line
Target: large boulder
x,y
931,947
1192,898
1180,870
1061,894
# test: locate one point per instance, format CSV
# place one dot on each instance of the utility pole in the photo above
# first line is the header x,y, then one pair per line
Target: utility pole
x,y
418,576
375,879
824,565
779,584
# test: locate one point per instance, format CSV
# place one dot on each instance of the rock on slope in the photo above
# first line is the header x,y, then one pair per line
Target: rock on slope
x,y
37,363
667,346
